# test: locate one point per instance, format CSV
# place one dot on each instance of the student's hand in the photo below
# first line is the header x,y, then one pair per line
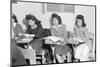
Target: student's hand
x,y
58,43
20,34
76,42
71,41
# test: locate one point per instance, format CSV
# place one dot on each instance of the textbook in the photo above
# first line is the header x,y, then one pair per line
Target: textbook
x,y
54,38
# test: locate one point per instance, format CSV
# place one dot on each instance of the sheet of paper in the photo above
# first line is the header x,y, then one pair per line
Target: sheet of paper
x,y
53,38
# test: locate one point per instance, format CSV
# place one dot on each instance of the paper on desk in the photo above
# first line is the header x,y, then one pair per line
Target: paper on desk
x,y
77,39
29,35
53,38
27,39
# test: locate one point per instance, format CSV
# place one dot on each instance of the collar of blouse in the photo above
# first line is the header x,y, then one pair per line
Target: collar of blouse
x,y
56,26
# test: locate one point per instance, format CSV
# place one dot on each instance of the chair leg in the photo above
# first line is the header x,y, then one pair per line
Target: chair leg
x,y
59,58
33,60
43,58
69,57
54,59
27,61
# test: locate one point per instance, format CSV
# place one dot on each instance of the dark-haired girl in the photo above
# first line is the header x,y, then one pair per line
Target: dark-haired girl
x,y
59,30
16,27
35,29
81,34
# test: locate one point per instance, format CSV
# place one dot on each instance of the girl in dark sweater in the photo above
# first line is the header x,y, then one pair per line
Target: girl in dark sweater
x,y
35,28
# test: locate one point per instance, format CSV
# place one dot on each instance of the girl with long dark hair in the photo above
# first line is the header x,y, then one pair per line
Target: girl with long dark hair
x,y
59,30
81,34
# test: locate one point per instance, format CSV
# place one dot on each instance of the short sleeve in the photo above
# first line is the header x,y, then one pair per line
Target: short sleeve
x,y
74,31
64,31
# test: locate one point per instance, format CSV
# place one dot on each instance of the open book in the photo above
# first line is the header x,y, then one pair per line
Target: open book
x,y
29,35
24,40
53,38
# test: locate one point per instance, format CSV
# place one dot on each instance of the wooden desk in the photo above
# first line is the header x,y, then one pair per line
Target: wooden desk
x,y
23,43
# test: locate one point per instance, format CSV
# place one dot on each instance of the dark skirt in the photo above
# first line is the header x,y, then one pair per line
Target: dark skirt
x,y
62,49
37,45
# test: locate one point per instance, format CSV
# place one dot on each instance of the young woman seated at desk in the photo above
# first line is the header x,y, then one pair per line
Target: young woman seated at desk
x,y
59,30
17,56
80,33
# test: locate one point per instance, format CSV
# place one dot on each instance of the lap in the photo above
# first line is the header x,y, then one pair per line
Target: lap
x,y
82,51
62,50
37,45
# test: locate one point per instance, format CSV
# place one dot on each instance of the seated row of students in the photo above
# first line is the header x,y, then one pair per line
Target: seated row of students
x,y
80,32
35,28
57,29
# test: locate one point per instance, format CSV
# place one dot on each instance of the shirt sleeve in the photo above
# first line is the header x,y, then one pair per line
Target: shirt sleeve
x,y
53,31
74,31
64,31
86,34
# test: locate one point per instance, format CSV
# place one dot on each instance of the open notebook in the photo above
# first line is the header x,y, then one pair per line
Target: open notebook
x,y
53,38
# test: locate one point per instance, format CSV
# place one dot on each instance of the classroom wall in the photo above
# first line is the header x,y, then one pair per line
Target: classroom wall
x,y
23,8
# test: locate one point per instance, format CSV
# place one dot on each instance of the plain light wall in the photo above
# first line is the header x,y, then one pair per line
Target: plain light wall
x,y
23,8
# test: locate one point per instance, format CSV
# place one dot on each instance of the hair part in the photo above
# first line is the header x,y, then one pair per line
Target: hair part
x,y
32,17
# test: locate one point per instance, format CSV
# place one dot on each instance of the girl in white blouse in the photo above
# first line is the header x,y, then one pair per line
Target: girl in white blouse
x,y
80,32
